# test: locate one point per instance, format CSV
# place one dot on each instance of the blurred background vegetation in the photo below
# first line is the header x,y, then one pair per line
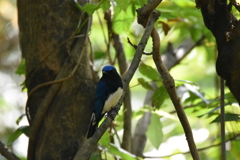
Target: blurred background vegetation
x,y
12,98
195,77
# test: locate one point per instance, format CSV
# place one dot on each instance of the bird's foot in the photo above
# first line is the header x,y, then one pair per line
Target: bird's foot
x,y
112,115
115,109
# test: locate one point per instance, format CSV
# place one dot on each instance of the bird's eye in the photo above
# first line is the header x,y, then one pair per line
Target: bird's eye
x,y
112,71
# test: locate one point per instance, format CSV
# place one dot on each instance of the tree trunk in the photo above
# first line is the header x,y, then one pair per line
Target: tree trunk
x,y
226,30
60,108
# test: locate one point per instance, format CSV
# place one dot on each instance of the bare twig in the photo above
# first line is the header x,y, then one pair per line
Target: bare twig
x,y
135,46
115,132
171,59
223,138
7,153
85,153
106,40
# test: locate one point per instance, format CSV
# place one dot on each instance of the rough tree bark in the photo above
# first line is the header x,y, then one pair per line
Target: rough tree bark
x,y
226,30
59,111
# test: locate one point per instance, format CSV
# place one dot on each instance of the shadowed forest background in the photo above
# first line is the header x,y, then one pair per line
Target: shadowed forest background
x,y
147,126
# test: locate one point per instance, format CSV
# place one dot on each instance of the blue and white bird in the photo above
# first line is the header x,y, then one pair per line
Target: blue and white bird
x,y
108,92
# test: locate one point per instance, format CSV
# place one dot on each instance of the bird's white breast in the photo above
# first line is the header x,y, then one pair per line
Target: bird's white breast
x,y
112,100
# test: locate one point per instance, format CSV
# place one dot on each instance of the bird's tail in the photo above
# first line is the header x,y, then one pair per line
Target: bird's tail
x,y
92,127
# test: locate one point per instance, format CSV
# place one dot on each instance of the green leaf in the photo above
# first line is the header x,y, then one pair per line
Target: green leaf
x,y
186,3
194,89
19,119
145,84
95,156
159,96
25,130
192,99
24,87
154,132
90,8
139,112
149,72
78,5
209,112
179,82
133,8
122,20
214,103
235,145
123,4
229,98
14,136
105,5
105,139
17,133
99,54
21,68
123,154
141,2
195,33
228,117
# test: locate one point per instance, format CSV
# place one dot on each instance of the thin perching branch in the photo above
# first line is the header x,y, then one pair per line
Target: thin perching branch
x,y
5,152
84,153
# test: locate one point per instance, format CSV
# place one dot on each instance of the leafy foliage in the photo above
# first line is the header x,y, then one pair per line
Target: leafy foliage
x,y
145,84
228,117
159,96
154,132
21,130
179,20
21,68
149,72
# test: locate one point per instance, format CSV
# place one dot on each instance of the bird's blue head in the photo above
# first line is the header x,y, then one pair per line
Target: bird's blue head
x,y
108,68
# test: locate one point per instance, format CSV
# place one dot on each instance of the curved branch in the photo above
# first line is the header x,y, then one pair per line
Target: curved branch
x,y
169,84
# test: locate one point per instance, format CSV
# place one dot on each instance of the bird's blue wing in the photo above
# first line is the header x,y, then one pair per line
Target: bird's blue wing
x,y
100,98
